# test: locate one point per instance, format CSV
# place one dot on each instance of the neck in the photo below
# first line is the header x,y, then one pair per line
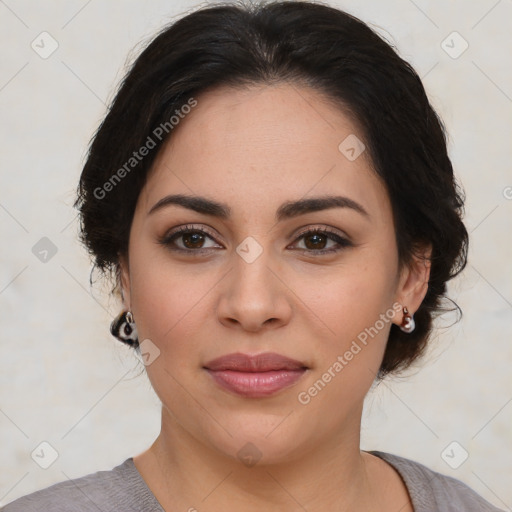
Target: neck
x,y
185,474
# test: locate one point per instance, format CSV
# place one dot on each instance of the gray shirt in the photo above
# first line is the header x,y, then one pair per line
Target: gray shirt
x,y
123,489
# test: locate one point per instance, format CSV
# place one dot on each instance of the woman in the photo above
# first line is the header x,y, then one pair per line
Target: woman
x,y
272,191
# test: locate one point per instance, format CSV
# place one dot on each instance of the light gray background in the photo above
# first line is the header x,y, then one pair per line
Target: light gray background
x,y
66,381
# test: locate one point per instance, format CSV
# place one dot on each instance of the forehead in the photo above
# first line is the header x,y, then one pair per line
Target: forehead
x,y
263,143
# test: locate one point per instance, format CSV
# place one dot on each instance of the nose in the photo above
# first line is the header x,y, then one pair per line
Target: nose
x,y
254,296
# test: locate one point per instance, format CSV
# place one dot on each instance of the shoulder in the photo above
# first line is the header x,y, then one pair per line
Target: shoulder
x,y
430,490
121,488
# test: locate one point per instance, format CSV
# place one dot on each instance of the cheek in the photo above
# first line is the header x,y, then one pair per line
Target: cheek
x,y
349,299
348,359
166,307
354,307
165,299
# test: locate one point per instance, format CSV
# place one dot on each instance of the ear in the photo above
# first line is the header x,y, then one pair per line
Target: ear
x,y
413,281
124,275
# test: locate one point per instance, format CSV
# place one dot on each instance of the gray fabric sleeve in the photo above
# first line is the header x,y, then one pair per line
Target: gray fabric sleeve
x,y
431,491
120,489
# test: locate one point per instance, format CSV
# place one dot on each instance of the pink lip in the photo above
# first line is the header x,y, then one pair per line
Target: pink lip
x,y
255,376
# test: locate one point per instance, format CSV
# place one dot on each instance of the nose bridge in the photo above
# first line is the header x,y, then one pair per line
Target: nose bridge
x,y
252,278
254,295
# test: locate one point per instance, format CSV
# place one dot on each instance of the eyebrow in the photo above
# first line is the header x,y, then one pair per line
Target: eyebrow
x,y
287,210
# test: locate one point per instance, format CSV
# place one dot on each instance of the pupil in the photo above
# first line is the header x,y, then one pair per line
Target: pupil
x,y
193,238
318,239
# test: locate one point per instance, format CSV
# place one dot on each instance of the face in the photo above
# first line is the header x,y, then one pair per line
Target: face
x,y
318,284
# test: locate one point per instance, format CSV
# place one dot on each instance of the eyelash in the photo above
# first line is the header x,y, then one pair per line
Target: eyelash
x,y
168,240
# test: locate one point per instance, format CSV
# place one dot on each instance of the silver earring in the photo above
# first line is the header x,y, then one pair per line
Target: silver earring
x,y
408,323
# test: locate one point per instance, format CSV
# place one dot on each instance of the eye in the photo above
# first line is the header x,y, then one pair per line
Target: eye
x,y
192,240
316,239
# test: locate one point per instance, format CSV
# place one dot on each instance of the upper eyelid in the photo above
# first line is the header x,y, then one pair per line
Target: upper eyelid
x,y
326,229
189,228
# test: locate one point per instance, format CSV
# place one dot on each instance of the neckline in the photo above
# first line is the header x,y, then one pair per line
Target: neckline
x,y
145,492
391,460
396,463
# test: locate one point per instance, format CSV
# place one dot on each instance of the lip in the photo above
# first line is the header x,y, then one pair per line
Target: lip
x,y
254,376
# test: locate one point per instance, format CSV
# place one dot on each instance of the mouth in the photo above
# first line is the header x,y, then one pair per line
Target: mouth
x,y
256,376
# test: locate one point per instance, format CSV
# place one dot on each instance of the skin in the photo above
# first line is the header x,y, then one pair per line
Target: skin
x,y
254,149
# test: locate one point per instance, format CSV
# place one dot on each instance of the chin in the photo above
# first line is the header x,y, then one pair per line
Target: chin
x,y
259,442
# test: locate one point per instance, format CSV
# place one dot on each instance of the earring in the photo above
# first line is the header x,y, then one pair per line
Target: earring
x,y
408,323
124,329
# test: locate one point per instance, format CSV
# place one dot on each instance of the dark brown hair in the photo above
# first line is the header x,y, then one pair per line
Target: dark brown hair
x,y
296,42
